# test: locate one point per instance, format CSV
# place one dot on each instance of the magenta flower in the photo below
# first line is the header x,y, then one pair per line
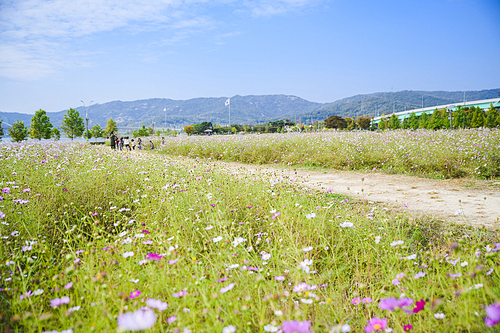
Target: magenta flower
x,y
375,325
6,190
419,306
138,320
295,326
180,294
59,301
134,294
356,300
492,314
407,328
153,256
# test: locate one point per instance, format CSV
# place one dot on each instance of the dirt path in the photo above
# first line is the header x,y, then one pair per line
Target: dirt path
x,y
468,201
473,202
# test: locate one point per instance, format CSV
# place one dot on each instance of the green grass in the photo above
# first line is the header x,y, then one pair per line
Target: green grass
x,y
180,207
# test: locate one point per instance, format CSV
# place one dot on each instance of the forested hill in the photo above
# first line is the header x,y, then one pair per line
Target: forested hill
x,y
389,102
253,109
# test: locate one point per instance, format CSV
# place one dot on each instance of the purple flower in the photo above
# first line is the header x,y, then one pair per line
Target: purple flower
x,y
375,325
138,320
153,256
59,301
279,278
2,215
180,294
492,314
295,326
173,261
156,304
68,285
170,320
6,190
226,289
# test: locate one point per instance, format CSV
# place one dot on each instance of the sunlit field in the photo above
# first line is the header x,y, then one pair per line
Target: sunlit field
x,y
435,154
95,240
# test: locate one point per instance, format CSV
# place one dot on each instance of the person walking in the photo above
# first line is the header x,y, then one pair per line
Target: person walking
x,y
112,140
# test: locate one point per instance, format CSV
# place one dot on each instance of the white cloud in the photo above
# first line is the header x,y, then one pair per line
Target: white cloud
x,y
36,35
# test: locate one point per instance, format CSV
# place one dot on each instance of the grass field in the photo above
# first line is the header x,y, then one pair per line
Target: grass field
x,y
435,154
95,240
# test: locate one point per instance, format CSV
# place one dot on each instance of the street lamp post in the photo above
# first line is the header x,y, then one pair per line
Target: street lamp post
x,y
86,119
450,109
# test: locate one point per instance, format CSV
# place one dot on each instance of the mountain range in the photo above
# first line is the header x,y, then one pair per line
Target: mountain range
x,y
168,113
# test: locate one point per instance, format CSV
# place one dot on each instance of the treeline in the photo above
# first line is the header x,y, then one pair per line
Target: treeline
x,y
463,117
206,128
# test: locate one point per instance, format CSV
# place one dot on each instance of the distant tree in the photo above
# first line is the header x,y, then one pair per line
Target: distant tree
x,y
188,129
72,124
18,132
406,123
424,121
56,134
394,122
110,127
364,122
335,121
351,123
413,121
40,127
150,130
382,124
87,134
97,131
491,117
436,121
459,118
477,118
141,132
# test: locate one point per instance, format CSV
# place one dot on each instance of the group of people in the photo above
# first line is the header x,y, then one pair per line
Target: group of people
x,y
126,143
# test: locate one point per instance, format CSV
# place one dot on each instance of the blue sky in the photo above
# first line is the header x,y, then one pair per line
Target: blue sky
x,y
55,53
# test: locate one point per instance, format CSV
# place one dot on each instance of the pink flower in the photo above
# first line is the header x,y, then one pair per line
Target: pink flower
x,y
367,300
170,320
59,301
395,282
223,279
68,285
356,300
134,294
138,320
295,326
492,314
180,294
153,256
419,306
279,278
376,325
392,303
173,261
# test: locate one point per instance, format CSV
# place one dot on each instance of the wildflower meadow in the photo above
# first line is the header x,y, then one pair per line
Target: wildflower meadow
x,y
438,154
94,240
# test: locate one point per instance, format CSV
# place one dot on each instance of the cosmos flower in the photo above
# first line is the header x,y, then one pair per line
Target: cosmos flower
x,y
59,301
375,325
138,320
492,314
346,224
295,326
156,304
226,289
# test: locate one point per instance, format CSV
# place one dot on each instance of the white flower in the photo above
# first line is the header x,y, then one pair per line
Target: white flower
x,y
217,239
142,262
209,227
134,281
232,267
15,233
419,275
38,292
121,234
127,240
399,242
75,308
128,254
439,315
345,328
238,240
270,328
278,312
139,235
306,301
229,329
464,263
307,249
377,239
304,265
272,211
156,304
265,256
347,224
310,216
477,286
